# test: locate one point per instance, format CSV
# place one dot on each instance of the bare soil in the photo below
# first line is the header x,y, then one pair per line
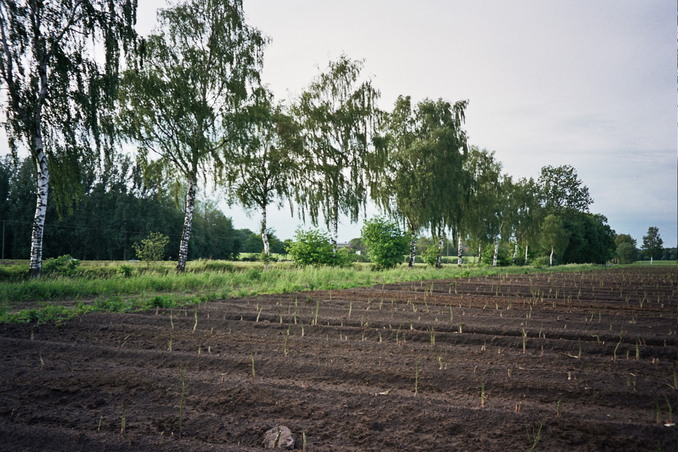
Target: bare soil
x,y
566,361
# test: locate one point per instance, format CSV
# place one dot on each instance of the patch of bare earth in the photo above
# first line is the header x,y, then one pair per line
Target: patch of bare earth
x,y
569,361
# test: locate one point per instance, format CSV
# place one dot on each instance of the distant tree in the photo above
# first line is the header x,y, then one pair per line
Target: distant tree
x,y
337,113
591,238
385,242
357,244
191,76
562,189
554,236
652,242
626,251
59,93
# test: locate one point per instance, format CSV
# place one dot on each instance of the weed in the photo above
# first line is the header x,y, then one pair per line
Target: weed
x,y
534,433
417,370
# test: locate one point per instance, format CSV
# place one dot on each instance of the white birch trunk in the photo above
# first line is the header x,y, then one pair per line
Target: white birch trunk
x,y
264,238
188,224
551,258
334,233
460,258
526,247
515,252
495,257
38,229
441,245
480,247
413,251
42,169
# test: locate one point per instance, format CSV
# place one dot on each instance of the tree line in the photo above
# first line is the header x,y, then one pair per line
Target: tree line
x,y
188,98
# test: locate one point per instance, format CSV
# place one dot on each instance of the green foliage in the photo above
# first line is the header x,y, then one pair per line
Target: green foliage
x,y
503,258
125,270
591,240
314,247
423,180
430,254
337,115
554,237
626,253
58,91
652,242
152,248
385,242
562,189
63,266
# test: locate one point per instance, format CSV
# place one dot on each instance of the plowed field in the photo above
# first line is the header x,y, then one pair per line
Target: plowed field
x,y
561,361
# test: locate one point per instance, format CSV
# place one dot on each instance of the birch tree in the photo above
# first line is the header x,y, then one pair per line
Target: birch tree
x,y
58,89
192,75
424,178
266,159
554,236
482,222
337,113
562,189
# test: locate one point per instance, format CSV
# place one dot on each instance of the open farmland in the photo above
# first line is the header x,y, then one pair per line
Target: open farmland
x,y
559,361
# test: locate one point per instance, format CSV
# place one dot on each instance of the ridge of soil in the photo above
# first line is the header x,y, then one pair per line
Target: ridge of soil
x,y
561,361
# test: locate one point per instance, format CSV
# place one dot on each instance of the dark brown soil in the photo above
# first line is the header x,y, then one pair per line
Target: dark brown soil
x,y
570,361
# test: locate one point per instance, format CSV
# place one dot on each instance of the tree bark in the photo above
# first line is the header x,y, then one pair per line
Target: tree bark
x,y
515,252
526,247
413,250
38,229
188,224
551,258
264,237
495,257
460,258
441,245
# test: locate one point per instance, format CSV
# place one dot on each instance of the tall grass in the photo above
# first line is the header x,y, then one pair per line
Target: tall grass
x,y
209,280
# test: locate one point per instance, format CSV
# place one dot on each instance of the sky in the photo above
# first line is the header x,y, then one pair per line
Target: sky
x,y
587,83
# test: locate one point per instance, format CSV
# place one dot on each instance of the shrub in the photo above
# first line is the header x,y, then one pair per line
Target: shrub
x,y
385,242
63,265
125,270
313,247
152,248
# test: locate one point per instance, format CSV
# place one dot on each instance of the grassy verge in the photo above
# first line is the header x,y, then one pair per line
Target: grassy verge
x,y
57,298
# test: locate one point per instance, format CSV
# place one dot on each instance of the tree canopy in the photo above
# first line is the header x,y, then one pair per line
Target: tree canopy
x,y
59,92
187,81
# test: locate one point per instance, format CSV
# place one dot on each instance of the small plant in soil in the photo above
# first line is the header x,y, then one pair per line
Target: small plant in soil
x,y
417,371
534,433
182,398
483,395
123,418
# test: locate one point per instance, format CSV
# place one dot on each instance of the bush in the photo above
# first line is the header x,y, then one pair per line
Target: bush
x,y
385,242
152,248
125,270
313,247
430,254
63,265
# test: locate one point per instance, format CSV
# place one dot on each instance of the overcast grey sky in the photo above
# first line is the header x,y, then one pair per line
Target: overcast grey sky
x,y
589,83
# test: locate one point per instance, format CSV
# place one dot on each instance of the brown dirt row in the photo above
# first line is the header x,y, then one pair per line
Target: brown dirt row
x,y
570,361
